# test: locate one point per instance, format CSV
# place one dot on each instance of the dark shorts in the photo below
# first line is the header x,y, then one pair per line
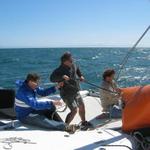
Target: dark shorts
x,y
73,102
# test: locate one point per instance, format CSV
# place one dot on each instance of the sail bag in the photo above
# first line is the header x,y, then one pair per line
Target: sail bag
x,y
136,113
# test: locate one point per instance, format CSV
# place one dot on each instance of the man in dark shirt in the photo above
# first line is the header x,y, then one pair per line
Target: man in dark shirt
x,y
71,75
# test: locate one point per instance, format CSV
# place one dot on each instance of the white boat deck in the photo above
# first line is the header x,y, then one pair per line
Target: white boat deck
x,y
100,137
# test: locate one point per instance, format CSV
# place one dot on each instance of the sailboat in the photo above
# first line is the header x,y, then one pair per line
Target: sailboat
x,y
107,134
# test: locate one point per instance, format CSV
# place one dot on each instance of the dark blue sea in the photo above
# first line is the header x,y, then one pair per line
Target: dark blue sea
x,y
16,63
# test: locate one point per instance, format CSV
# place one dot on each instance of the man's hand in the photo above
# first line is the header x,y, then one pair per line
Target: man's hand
x,y
65,77
57,103
82,78
118,90
60,84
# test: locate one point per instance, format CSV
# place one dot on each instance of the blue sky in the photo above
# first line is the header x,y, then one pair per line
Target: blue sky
x,y
67,23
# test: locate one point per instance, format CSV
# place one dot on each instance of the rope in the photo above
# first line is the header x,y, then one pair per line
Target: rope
x,y
11,140
125,146
94,85
141,141
124,61
59,111
87,82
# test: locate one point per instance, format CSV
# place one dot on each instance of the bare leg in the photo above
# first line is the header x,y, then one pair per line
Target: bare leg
x,y
71,116
82,112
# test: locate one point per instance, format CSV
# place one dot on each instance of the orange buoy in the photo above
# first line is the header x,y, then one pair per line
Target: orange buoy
x,y
136,113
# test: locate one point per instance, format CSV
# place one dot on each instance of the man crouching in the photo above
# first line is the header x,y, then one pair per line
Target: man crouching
x,y
110,96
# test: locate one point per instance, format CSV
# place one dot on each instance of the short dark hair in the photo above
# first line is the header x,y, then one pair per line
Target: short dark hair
x,y
66,56
32,77
108,73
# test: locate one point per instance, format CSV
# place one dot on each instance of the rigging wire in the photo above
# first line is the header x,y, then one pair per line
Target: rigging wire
x,y
124,61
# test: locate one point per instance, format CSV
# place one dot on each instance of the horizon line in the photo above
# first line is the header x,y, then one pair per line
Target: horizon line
x,y
74,47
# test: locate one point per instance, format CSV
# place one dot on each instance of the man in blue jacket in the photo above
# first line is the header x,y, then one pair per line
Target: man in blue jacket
x,y
38,113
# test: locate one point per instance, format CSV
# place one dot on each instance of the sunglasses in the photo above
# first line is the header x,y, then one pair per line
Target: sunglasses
x,y
35,82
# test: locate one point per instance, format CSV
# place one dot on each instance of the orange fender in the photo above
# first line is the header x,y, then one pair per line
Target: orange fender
x,y
136,113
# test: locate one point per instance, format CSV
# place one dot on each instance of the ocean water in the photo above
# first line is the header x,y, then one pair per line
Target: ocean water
x,y
16,63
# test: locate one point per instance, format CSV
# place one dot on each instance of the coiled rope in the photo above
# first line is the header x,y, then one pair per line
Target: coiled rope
x,y
11,140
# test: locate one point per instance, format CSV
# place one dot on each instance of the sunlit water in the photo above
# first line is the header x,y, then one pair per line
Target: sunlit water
x,y
16,63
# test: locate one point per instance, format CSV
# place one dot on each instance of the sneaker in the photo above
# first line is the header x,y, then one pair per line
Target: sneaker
x,y
86,125
103,116
71,129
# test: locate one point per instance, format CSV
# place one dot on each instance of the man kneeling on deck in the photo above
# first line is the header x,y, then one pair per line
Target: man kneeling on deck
x,y
110,97
31,111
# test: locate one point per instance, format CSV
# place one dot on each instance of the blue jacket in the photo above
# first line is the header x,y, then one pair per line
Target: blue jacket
x,y
26,100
